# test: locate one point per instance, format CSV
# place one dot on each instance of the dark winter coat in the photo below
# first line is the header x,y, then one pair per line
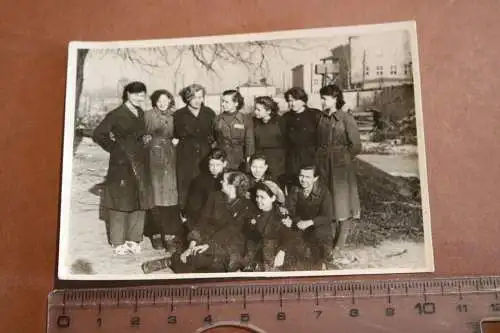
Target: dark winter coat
x,y
200,190
196,136
270,141
265,237
316,207
301,138
339,142
221,226
127,186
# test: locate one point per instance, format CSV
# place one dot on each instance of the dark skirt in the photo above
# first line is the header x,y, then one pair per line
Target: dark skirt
x,y
163,220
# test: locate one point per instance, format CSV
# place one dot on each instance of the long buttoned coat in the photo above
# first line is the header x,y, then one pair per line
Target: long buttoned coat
x,y
301,139
162,157
127,186
196,137
270,141
338,144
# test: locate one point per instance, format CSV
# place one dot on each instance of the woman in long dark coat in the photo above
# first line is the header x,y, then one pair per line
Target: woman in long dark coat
x,y
165,220
194,127
301,124
270,131
126,190
339,143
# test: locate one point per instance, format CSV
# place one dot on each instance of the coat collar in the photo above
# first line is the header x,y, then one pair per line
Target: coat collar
x,y
124,108
188,111
316,190
273,120
230,116
169,112
337,115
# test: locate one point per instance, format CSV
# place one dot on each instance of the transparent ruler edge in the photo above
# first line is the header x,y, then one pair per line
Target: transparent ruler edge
x,y
203,292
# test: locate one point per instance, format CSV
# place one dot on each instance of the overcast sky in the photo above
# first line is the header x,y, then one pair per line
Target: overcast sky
x,y
104,69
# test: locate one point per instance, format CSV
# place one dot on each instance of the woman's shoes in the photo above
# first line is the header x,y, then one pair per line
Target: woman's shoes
x,y
134,247
121,250
128,247
156,265
157,242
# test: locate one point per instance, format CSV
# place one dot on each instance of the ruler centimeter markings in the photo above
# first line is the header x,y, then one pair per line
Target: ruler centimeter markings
x,y
444,305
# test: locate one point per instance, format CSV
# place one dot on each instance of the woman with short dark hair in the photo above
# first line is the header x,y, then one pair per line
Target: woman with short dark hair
x,y
301,123
194,128
270,136
339,143
164,222
127,189
234,130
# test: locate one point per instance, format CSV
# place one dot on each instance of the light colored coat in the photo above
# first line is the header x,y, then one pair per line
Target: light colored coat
x,y
162,157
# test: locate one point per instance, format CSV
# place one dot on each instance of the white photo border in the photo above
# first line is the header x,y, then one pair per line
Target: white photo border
x,y
63,270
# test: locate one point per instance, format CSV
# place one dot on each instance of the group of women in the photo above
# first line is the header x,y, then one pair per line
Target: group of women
x,y
223,192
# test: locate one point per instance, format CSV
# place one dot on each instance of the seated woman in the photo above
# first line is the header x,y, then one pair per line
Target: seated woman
x,y
265,232
259,169
216,239
259,172
205,183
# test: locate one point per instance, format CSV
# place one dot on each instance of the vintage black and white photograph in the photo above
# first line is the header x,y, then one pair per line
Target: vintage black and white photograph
x,y
290,153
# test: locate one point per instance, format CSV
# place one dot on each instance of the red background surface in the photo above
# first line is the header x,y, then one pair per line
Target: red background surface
x,y
459,59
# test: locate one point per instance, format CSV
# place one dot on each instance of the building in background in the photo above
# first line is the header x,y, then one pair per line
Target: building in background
x,y
250,90
306,77
366,62
381,60
335,68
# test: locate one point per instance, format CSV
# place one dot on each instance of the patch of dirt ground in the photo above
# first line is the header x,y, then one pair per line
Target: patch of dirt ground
x,y
88,247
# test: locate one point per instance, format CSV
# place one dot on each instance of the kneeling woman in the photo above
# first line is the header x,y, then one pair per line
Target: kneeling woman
x,y
217,241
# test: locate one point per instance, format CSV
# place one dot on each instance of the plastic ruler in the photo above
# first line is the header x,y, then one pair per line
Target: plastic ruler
x,y
465,304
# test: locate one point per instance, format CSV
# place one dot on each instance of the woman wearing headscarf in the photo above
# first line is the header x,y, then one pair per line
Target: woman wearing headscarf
x,y
265,232
127,189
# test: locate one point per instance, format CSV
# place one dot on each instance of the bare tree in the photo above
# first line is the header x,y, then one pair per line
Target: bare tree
x,y
254,55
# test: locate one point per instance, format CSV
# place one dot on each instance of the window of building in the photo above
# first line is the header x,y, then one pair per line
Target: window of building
x,y
407,68
367,71
393,70
380,70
